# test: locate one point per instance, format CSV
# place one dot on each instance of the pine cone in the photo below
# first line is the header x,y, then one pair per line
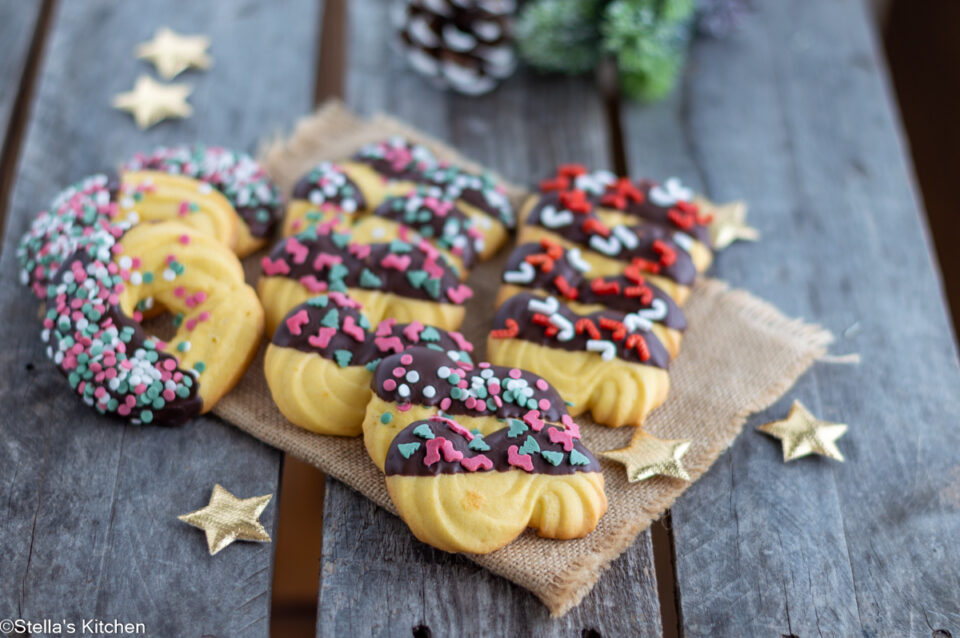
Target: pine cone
x,y
465,45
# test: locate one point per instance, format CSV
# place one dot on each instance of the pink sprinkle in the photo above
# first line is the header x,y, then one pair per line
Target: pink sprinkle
x,y
297,321
362,251
445,403
351,328
522,461
471,403
453,425
389,385
474,463
565,437
140,389
462,343
544,404
386,327
179,291
440,444
123,410
397,262
542,385
325,260
278,267
313,284
403,407
389,343
493,388
532,418
170,259
184,209
459,294
406,359
298,250
515,373
191,324
412,331
184,239
99,392
203,316
322,338
399,372
344,301
170,364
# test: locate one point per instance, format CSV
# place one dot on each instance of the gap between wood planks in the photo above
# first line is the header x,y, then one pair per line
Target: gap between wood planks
x,y
297,552
17,125
661,531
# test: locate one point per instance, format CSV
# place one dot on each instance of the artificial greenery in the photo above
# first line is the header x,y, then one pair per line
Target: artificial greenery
x,y
646,38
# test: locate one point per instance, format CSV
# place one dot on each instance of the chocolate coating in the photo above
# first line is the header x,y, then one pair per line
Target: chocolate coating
x,y
472,393
302,326
587,292
682,270
519,309
498,453
335,263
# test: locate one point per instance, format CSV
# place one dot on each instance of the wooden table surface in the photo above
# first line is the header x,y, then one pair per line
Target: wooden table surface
x,y
793,113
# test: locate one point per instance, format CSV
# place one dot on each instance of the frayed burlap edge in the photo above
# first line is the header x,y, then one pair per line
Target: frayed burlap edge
x,y
776,348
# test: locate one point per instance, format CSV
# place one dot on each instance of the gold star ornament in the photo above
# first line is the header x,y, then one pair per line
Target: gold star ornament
x,y
802,434
173,53
151,102
227,518
648,456
729,222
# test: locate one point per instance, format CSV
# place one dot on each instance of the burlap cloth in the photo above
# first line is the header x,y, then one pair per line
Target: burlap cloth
x,y
739,355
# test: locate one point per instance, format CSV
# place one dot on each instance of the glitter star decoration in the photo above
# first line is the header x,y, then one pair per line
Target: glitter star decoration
x,y
151,102
729,223
648,456
227,518
173,53
802,434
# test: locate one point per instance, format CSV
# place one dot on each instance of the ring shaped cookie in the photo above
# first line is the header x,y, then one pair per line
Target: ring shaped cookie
x,y
398,169
321,360
419,383
616,222
547,269
608,363
233,174
461,491
99,275
406,281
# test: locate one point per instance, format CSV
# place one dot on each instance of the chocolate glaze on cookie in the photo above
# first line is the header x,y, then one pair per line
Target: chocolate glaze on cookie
x,y
334,327
327,186
237,175
669,204
440,445
421,376
657,249
430,213
549,323
106,356
325,260
400,159
562,273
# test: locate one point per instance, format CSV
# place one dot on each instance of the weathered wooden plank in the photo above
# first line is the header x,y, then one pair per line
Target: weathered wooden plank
x,y
89,522
376,579
18,22
794,114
